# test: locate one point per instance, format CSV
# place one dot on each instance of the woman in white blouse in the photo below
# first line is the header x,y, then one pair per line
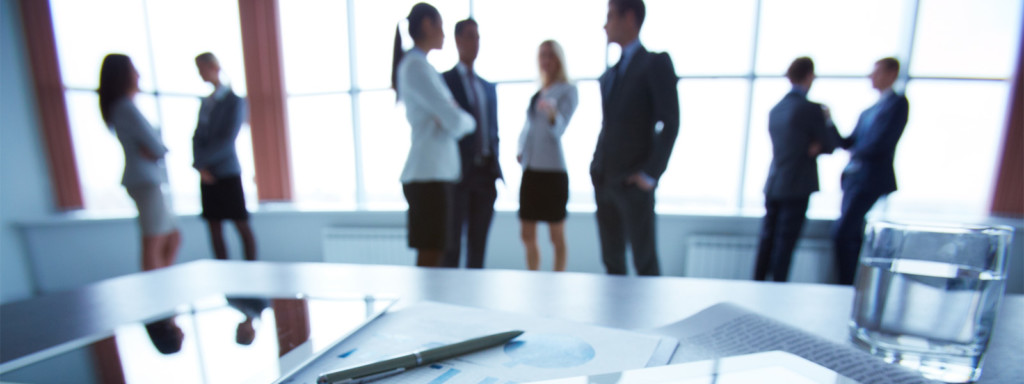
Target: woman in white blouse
x,y
433,166
544,191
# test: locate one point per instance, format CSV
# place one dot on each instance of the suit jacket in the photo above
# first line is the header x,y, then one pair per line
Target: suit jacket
x,y
793,124
436,123
872,146
633,104
468,144
136,136
213,144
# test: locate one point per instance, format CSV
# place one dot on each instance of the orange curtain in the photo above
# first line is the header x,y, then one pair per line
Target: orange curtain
x,y
53,115
1008,199
293,328
261,46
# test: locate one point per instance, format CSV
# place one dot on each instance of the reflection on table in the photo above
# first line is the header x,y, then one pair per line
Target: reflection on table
x,y
214,340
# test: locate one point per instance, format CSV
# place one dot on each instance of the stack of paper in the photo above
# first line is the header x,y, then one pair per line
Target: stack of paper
x,y
726,330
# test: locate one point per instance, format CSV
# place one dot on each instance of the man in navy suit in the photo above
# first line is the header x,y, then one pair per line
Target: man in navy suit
x,y
800,131
870,174
475,193
640,123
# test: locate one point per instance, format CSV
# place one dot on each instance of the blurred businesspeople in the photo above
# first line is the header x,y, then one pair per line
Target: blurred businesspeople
x,y
453,164
800,130
544,191
221,115
473,207
640,105
869,174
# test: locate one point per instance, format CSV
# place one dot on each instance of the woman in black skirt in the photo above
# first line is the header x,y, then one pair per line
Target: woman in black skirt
x,y
544,191
433,166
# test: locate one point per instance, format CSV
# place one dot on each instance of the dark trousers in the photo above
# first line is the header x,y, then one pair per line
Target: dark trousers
x,y
473,210
848,231
780,230
626,213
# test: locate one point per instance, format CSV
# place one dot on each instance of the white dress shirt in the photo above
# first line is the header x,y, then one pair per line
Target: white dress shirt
x,y
437,122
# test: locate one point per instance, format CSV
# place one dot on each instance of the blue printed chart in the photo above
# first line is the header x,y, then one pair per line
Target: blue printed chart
x,y
548,349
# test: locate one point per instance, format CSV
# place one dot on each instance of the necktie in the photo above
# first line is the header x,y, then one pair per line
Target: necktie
x,y
483,150
613,78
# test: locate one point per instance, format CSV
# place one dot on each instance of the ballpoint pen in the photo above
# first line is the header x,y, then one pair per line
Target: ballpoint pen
x,y
393,366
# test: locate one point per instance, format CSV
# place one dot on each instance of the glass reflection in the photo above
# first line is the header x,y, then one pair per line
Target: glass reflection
x,y
214,340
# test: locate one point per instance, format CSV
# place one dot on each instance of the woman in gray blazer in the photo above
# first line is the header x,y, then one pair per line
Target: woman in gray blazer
x,y
544,191
145,177
213,154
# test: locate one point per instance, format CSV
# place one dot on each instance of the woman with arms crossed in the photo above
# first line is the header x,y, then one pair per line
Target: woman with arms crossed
x,y
433,166
144,177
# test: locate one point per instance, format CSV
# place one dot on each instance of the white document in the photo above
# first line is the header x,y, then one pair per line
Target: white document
x,y
728,330
774,367
548,349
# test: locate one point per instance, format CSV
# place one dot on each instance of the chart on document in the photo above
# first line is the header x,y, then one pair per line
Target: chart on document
x,y
547,349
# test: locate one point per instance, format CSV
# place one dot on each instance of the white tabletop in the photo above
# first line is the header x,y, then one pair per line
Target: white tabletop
x,y
50,324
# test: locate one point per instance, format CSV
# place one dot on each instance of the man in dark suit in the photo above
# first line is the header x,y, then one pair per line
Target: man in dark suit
x,y
870,174
475,193
800,131
641,120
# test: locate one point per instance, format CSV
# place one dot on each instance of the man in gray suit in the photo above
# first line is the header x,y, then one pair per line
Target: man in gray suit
x,y
641,120
800,131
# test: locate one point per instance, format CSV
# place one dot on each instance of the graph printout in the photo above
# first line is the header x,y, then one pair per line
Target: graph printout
x,y
548,349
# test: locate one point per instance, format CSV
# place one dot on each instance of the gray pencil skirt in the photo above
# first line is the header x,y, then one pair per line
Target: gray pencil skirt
x,y
156,217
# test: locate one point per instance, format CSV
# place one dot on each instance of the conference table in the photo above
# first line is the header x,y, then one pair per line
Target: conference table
x,y
46,331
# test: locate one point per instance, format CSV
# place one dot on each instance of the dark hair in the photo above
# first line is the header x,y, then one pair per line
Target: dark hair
x,y
206,57
165,335
115,82
462,25
890,64
419,12
637,6
800,69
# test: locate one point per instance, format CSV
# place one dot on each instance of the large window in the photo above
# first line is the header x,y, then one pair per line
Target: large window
x,y
349,137
315,48
163,49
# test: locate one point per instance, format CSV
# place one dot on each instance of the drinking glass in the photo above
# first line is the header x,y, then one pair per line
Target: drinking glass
x,y
927,295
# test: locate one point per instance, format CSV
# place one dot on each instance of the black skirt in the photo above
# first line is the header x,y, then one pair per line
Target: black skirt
x,y
430,213
224,199
543,196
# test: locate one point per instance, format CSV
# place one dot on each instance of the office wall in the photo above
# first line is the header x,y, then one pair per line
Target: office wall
x,y
25,191
70,253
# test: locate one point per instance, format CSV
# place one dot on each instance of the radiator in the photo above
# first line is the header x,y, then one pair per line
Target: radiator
x,y
362,245
734,257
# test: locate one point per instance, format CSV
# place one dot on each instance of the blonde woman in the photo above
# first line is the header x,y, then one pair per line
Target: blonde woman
x,y
544,191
